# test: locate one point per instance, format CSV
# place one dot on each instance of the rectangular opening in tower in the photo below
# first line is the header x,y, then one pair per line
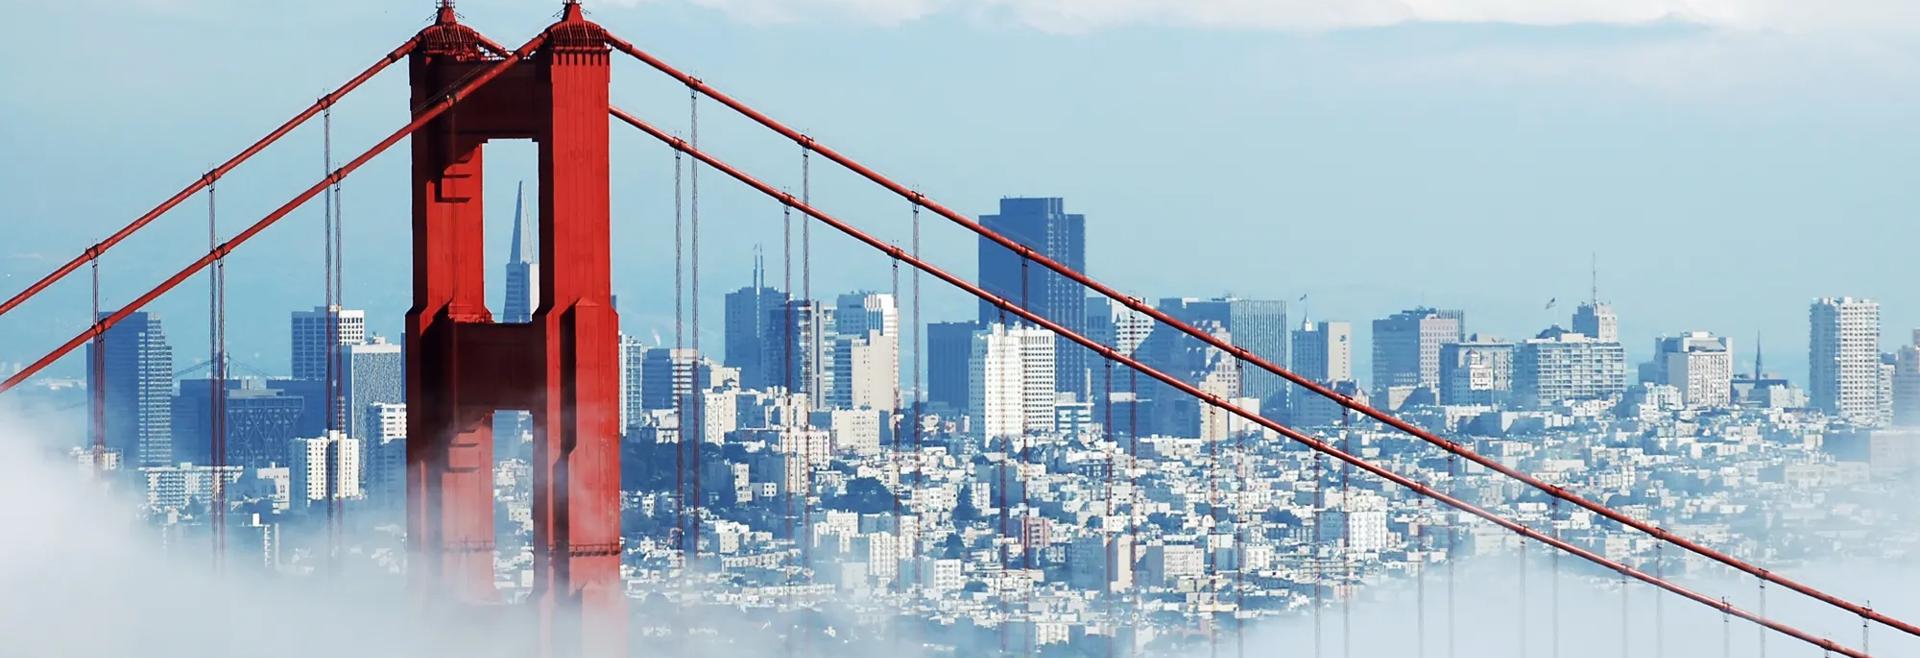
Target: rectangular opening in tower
x,y
513,223
513,493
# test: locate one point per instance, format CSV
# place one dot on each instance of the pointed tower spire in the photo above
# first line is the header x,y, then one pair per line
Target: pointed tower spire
x,y
446,15
1758,357
519,253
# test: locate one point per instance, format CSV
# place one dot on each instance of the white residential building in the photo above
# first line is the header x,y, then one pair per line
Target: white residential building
x,y
1843,358
1699,364
1010,374
318,460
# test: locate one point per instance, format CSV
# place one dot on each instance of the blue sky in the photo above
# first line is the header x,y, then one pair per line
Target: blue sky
x,y
1726,161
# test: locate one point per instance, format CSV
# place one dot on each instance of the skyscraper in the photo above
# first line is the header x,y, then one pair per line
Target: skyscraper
x,y
1597,321
374,373
1259,325
1041,224
1843,357
632,400
136,389
1406,351
1322,352
1010,378
1207,367
260,420
310,336
949,345
1119,327
799,348
523,266
866,352
748,311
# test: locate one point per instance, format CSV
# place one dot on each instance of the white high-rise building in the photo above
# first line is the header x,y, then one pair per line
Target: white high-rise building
x,y
1843,358
318,460
1560,365
1010,376
632,405
310,346
1699,365
866,352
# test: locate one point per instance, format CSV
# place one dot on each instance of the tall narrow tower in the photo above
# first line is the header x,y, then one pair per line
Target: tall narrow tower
x,y
523,266
561,365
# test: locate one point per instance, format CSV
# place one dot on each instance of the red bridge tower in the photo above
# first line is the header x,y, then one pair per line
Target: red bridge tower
x,y
462,366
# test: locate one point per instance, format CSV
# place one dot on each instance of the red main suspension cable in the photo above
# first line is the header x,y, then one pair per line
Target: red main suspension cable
x,y
95,251
428,114
1222,404
1248,356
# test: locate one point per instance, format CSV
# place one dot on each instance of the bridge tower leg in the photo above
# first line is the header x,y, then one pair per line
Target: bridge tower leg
x,y
562,366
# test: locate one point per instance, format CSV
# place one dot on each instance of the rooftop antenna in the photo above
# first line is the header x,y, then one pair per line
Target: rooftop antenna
x,y
1594,280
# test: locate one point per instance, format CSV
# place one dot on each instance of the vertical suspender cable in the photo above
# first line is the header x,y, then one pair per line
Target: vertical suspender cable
x,y
1523,596
919,472
96,393
673,359
815,336
786,354
1453,549
1865,626
893,456
1726,628
1346,540
1626,617
698,391
332,385
1112,554
1026,446
1553,584
217,393
1420,593
331,316
1763,613
1659,614
1314,563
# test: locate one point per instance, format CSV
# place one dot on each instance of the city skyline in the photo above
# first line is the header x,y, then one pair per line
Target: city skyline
x,y
1283,373
1720,186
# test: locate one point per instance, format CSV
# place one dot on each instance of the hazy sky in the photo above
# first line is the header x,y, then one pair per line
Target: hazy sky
x,y
1727,160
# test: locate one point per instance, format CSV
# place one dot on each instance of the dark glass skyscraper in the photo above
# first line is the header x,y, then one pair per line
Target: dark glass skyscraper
x,y
1041,224
137,378
261,421
948,346
748,314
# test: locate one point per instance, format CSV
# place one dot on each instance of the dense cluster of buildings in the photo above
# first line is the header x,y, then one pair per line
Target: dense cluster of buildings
x,y
1019,489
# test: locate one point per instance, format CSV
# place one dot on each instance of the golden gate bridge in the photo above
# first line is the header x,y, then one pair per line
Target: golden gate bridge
x,y
461,365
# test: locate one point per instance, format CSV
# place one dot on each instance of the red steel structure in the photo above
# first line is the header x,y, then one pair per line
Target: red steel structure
x,y
462,366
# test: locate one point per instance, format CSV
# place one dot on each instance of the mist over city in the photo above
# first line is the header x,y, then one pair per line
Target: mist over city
x,y
899,329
